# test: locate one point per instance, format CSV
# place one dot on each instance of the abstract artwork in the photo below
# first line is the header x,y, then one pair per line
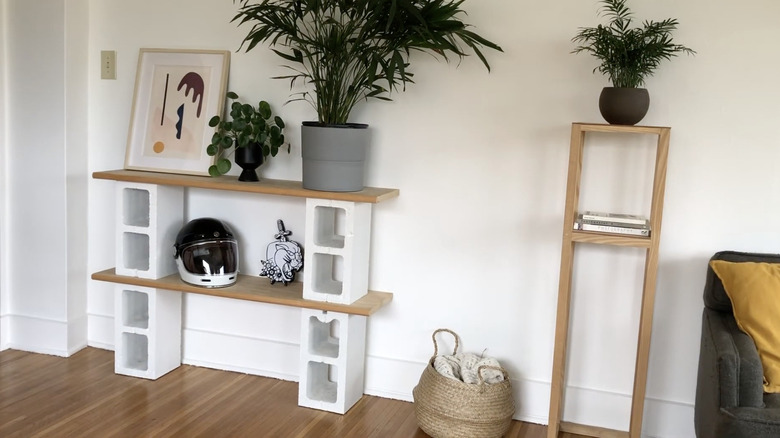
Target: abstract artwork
x,y
176,93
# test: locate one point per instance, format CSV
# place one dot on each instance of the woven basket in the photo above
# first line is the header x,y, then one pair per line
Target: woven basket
x,y
447,408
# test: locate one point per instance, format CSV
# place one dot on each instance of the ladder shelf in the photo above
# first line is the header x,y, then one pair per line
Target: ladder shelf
x,y
572,237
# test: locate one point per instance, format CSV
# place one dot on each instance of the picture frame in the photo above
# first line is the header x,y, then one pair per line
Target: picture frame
x,y
176,93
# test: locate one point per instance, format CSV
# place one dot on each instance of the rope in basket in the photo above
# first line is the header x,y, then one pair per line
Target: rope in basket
x,y
447,408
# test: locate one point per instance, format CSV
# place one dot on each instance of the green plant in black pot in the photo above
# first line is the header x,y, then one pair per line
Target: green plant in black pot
x,y
348,51
254,131
628,55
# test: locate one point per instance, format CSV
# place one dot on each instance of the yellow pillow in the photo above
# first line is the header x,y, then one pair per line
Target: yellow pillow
x,y
754,290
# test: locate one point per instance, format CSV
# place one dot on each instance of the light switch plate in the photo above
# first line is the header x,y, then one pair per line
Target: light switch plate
x,y
107,64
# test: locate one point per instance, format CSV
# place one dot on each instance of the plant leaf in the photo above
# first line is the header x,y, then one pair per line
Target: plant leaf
x,y
223,166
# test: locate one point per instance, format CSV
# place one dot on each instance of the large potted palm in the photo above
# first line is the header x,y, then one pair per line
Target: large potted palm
x,y
347,51
627,55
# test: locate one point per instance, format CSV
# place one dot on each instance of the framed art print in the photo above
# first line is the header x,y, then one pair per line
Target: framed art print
x,y
176,93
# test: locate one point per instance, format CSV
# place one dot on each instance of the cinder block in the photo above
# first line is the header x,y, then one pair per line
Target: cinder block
x,y
332,360
147,331
338,237
148,218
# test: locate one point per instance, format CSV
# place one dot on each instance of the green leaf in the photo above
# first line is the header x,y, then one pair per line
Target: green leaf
x,y
264,108
214,121
232,95
212,150
279,122
227,142
213,171
223,165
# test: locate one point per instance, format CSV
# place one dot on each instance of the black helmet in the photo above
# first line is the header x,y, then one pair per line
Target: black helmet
x,y
206,253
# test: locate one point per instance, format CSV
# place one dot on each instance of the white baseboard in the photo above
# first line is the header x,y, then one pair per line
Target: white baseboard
x,y
394,378
77,334
250,355
101,331
5,327
38,335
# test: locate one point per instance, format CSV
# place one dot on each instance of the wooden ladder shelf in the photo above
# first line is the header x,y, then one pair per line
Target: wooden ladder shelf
x,y
570,238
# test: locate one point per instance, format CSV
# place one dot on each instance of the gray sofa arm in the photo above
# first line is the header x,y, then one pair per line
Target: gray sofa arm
x,y
733,360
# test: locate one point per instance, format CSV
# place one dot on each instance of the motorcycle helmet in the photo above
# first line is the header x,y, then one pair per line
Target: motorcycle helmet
x,y
206,253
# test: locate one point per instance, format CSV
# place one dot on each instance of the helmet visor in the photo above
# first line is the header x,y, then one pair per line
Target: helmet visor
x,y
211,258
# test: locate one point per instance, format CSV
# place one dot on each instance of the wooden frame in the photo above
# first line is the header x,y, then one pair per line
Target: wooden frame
x,y
176,93
570,237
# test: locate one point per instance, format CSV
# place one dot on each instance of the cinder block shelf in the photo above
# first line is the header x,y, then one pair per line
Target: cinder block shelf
x,y
335,302
258,289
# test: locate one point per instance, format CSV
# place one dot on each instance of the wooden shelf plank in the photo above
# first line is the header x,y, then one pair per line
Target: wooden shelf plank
x,y
592,431
266,186
632,129
611,239
257,289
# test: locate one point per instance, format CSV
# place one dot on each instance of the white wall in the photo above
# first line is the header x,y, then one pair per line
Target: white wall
x,y
46,175
473,242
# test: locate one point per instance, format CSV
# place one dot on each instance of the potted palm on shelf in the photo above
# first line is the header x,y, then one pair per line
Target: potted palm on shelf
x,y
254,131
628,55
348,51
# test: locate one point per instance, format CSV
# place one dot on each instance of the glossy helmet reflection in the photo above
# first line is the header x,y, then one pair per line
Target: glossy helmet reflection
x,y
206,253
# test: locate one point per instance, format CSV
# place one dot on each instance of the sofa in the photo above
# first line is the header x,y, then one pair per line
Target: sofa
x,y
730,401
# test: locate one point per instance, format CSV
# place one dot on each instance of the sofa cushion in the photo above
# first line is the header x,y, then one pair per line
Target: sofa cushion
x,y
714,296
754,291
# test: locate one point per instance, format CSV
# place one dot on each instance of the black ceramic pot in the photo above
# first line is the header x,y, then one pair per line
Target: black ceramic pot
x,y
624,106
249,158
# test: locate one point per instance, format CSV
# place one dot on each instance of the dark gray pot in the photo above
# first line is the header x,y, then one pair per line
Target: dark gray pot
x,y
624,106
334,156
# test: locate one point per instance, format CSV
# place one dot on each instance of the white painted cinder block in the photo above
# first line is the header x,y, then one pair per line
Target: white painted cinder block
x,y
338,236
333,347
147,331
148,217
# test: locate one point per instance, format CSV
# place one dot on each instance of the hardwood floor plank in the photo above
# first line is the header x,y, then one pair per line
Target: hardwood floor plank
x,y
47,396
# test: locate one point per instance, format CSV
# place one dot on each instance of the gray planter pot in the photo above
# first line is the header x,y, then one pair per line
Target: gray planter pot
x,y
334,156
624,106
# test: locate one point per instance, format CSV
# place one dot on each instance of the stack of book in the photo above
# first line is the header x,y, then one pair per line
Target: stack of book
x,y
613,223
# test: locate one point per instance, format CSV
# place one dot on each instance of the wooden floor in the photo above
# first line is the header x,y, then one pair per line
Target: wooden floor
x,y
48,396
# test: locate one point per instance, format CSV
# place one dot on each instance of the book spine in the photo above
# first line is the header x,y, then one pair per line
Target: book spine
x,y
590,216
612,229
607,223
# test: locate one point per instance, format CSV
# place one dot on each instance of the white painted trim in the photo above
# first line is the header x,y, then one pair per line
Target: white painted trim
x,y
4,251
240,353
389,378
39,335
395,378
5,324
238,369
101,345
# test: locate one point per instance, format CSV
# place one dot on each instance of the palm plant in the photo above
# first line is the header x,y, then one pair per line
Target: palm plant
x,y
628,55
353,50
